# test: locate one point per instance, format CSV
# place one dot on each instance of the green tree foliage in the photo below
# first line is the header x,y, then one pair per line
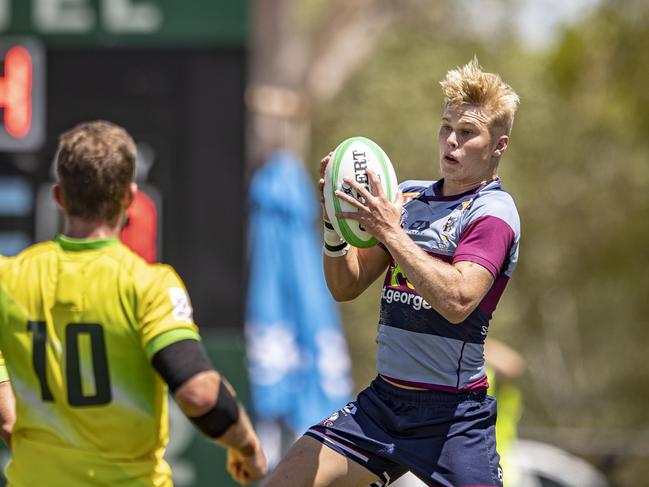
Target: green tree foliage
x,y
578,167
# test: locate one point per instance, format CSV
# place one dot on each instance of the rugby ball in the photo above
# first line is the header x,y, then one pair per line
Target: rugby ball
x,y
352,158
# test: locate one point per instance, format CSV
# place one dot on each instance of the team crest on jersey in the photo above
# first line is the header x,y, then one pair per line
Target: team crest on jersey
x,y
457,213
182,309
450,224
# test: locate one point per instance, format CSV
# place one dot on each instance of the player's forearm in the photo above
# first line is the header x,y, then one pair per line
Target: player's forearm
x,y
209,401
344,275
203,394
241,435
342,265
439,283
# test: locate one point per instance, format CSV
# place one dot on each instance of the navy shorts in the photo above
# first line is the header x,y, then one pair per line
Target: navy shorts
x,y
445,439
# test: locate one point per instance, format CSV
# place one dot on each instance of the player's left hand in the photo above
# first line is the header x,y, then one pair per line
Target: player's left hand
x,y
378,215
246,467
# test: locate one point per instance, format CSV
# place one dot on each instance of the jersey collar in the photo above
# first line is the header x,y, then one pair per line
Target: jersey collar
x,y
434,191
68,243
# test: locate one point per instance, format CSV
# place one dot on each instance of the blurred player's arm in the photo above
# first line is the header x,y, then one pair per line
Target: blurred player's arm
x,y
507,363
7,404
210,402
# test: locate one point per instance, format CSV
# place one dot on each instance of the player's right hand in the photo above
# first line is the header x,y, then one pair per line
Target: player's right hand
x,y
246,467
323,166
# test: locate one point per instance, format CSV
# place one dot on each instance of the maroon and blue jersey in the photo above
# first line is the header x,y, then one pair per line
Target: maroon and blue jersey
x,y
417,346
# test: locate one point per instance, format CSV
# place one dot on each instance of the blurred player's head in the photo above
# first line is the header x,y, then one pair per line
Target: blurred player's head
x,y
470,86
94,167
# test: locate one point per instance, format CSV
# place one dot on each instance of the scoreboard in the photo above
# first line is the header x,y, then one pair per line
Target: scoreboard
x,y
127,22
22,95
173,74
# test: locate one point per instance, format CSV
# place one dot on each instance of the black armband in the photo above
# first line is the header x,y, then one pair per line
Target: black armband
x,y
224,414
180,361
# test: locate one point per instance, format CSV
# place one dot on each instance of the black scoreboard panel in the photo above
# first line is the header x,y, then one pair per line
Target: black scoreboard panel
x,y
186,106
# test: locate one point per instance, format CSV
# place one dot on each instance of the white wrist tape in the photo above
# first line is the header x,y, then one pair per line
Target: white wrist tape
x,y
342,251
330,235
334,245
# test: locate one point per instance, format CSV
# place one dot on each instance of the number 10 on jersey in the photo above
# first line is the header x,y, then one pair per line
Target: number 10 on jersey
x,y
72,358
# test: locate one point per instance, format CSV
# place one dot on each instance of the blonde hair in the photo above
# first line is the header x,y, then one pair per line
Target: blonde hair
x,y
470,85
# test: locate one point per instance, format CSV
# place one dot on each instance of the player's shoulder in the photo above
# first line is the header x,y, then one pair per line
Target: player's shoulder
x,y
144,275
140,269
33,253
494,200
37,250
164,273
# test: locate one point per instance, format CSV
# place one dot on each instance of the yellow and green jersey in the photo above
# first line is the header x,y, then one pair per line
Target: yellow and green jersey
x,y
79,323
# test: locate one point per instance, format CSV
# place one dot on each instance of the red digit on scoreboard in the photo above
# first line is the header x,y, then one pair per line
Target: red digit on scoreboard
x,y
22,94
16,91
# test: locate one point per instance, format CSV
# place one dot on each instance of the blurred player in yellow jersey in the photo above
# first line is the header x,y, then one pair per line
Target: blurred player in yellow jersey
x,y
93,337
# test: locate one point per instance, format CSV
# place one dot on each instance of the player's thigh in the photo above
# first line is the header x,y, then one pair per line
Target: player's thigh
x,y
309,463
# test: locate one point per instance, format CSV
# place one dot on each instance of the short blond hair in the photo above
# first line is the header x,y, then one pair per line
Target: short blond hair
x,y
470,85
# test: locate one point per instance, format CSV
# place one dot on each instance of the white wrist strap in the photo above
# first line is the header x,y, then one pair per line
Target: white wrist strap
x,y
334,245
330,235
336,253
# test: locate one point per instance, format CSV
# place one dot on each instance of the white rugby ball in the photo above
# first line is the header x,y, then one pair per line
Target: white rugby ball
x,y
351,159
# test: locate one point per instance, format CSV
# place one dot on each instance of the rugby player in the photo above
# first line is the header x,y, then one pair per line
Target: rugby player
x,y
93,337
449,251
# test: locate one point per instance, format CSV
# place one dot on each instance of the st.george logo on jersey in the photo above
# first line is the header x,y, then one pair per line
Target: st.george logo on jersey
x,y
182,309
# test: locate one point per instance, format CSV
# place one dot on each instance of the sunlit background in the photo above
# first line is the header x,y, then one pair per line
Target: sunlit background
x,y
210,89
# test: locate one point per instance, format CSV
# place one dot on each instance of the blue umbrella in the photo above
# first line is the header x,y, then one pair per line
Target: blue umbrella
x,y
298,361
